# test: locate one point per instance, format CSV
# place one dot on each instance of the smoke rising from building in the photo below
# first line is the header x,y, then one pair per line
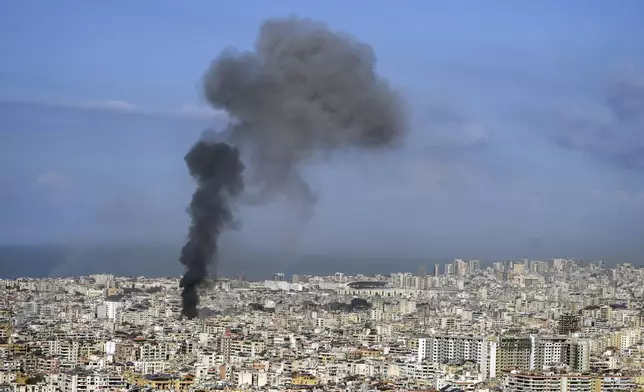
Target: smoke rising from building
x,y
303,89
217,169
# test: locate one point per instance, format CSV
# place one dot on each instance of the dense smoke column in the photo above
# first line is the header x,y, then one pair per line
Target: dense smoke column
x,y
304,88
217,169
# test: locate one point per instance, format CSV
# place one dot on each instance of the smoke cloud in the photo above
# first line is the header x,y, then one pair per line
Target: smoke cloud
x,y
303,89
217,169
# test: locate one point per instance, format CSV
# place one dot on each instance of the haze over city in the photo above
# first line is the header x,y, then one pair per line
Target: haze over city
x,y
526,134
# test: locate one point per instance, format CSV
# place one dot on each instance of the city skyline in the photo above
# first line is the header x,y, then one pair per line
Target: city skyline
x,y
42,262
510,327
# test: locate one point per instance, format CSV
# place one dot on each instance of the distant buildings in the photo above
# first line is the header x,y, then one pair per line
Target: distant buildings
x,y
527,325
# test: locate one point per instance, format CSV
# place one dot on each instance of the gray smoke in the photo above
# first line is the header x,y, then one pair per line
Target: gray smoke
x,y
304,88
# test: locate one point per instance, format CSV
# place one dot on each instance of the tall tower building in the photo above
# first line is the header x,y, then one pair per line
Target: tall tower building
x,y
579,355
474,266
422,271
460,267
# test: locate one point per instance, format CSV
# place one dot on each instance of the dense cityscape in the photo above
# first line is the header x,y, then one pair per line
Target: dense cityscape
x,y
250,195
556,325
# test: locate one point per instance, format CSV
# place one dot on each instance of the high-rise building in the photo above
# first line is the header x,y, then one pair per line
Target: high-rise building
x,y
626,338
437,269
515,353
550,351
606,313
278,276
110,308
518,268
422,271
579,355
402,280
445,348
460,267
568,323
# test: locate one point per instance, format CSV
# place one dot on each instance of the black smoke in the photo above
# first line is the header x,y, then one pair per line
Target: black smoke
x,y
217,169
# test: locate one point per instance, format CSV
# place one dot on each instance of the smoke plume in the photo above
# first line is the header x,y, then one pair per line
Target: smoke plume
x,y
217,169
304,88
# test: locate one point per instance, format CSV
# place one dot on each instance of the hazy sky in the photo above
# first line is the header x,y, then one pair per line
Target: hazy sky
x,y
528,126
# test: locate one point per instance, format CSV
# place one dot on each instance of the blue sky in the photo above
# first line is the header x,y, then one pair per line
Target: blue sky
x,y
518,146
